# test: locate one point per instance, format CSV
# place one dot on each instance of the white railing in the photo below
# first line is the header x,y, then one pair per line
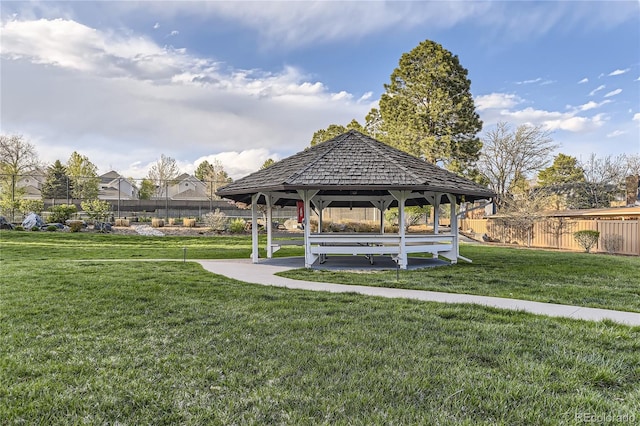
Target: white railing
x,y
361,243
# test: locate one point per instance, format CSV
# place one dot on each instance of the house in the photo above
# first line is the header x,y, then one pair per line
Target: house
x,y
31,184
113,186
188,187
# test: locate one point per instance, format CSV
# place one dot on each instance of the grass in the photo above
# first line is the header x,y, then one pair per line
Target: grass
x,y
601,281
25,245
168,343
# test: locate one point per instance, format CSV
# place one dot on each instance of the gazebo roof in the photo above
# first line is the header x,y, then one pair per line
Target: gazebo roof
x,y
352,163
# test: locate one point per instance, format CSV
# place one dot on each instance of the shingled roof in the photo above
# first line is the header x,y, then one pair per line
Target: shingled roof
x,y
353,162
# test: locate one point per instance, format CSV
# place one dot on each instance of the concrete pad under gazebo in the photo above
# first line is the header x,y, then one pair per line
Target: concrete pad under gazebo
x,y
356,171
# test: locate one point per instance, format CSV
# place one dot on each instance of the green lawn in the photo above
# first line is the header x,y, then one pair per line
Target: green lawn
x,y
601,281
23,245
169,343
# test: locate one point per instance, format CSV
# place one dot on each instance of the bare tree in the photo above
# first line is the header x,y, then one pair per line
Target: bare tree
x,y
163,173
509,156
633,164
604,178
522,212
17,158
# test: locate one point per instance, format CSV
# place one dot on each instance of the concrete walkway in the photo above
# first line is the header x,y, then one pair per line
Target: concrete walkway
x,y
244,270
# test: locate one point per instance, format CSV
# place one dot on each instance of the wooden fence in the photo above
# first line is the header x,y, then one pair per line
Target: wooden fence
x,y
558,233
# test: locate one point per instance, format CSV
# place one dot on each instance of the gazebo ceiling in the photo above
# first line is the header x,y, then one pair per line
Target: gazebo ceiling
x,y
349,166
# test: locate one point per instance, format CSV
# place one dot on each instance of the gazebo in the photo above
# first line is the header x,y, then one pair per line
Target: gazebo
x,y
355,171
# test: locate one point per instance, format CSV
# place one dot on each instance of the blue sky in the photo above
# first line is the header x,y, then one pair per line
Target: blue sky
x,y
123,82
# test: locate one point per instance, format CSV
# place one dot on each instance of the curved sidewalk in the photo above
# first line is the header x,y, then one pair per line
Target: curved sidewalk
x,y
244,270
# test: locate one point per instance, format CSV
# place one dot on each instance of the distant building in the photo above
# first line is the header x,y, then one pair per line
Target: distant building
x,y
113,186
32,185
188,187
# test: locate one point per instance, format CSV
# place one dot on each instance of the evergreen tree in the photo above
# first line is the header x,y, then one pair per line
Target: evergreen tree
x,y
564,170
428,110
57,184
334,130
267,163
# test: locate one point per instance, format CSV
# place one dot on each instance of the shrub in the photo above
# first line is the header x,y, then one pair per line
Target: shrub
x,y
157,223
216,221
19,228
96,209
62,212
75,226
189,223
122,222
612,243
28,206
586,239
237,226
35,228
52,228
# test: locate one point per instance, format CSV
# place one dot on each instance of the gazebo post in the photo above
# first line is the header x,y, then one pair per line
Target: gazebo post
x,y
401,196
320,204
454,227
254,227
309,258
382,206
269,225
436,213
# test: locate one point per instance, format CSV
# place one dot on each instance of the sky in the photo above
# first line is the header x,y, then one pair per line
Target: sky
x,y
241,82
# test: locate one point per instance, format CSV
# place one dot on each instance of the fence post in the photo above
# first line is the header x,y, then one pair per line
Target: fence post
x,y
13,197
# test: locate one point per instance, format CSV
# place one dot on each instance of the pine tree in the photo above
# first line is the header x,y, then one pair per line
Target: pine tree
x,y
57,184
428,110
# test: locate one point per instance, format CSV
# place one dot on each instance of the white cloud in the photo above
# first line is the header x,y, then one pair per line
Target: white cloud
x,y
173,33
613,93
636,116
615,133
551,120
365,97
597,89
591,105
496,101
156,25
69,44
535,80
584,80
126,99
240,163
619,72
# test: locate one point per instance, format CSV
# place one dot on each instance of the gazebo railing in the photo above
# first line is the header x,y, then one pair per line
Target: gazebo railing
x,y
361,243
